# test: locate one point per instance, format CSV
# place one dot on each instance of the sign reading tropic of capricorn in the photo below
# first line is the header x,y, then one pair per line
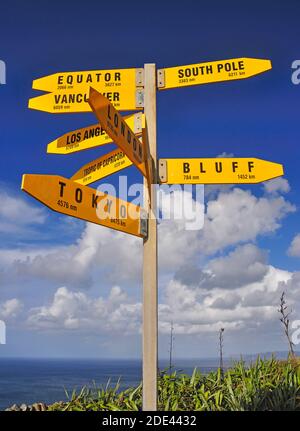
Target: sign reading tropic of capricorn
x,y
106,92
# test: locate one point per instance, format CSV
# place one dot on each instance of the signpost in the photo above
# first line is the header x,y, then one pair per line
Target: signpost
x,y
217,171
91,136
70,90
213,71
66,197
117,128
133,89
103,167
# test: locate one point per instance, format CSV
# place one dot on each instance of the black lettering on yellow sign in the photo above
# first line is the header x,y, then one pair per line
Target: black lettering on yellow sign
x,y
62,99
118,126
88,134
107,204
218,167
104,162
206,69
89,78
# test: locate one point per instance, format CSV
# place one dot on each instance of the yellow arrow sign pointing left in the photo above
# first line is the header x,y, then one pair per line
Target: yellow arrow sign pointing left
x,y
217,171
64,196
70,90
213,71
91,136
102,167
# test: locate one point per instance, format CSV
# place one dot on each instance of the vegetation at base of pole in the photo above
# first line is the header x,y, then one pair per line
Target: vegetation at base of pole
x,y
263,385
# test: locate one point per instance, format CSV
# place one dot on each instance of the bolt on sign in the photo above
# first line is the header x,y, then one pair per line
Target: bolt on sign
x,y
119,131
213,71
91,136
66,197
102,167
217,171
69,91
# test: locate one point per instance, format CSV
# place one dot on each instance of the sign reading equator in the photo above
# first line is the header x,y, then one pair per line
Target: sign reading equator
x,y
91,136
67,197
69,91
217,171
119,131
213,71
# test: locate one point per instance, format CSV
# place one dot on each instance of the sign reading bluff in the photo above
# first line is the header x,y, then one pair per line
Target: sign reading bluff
x,y
218,171
117,128
214,71
65,196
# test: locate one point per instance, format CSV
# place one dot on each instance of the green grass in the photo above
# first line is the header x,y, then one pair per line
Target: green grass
x,y
265,385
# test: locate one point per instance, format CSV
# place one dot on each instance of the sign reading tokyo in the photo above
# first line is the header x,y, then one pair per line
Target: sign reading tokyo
x,y
70,90
91,136
117,128
64,196
213,71
217,171
102,167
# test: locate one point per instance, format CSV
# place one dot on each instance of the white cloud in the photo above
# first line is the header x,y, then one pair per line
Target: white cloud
x,y
10,308
239,216
76,310
277,185
16,214
294,248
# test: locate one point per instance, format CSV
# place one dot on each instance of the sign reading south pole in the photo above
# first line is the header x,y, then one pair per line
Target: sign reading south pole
x,y
217,171
69,91
117,128
213,71
67,197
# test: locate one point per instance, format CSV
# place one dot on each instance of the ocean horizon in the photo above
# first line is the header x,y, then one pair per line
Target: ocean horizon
x,y
30,380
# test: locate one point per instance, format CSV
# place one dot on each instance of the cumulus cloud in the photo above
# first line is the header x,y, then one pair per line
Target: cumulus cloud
x,y
239,216
16,214
277,185
294,248
98,247
76,310
236,290
10,308
253,304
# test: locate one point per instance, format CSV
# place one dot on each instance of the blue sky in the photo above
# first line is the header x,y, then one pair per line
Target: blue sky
x,y
258,117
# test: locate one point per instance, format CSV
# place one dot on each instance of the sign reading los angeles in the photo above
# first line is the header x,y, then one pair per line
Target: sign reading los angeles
x,y
69,91
102,167
117,128
213,71
91,136
217,171
64,196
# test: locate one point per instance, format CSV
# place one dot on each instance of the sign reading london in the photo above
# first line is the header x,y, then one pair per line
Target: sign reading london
x,y
117,128
64,196
69,91
91,136
213,71
217,171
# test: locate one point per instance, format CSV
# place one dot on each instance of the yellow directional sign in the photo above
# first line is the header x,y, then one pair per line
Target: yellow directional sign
x,y
63,195
217,171
101,167
91,136
70,90
119,131
213,71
